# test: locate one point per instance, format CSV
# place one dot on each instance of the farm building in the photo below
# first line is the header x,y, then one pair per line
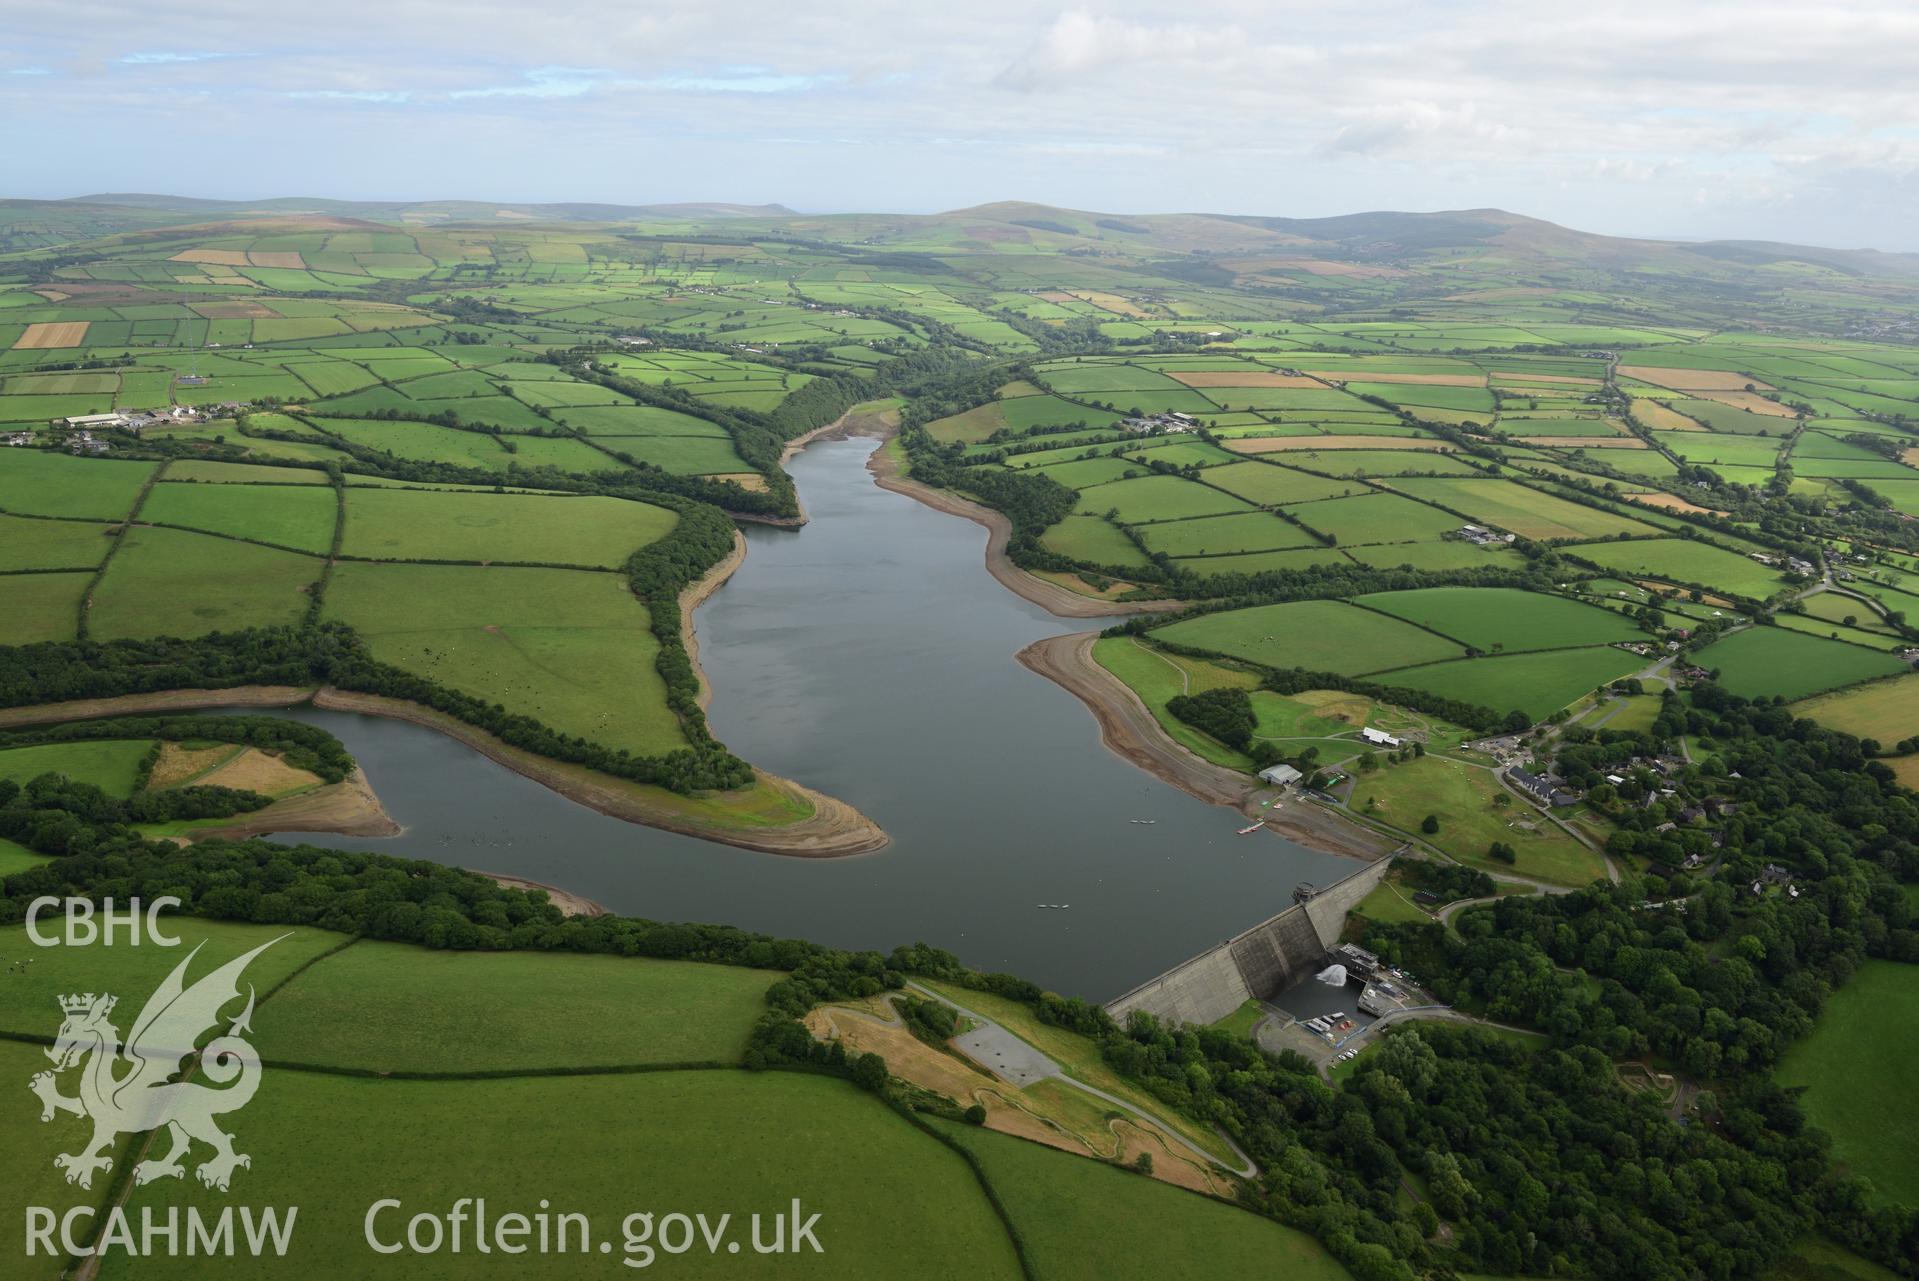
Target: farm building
x,y
17,438
1379,737
94,420
1280,775
1542,790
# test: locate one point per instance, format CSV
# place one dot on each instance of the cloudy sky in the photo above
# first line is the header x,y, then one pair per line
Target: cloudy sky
x,y
1754,119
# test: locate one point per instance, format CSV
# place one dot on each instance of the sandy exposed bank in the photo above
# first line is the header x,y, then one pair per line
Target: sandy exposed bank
x,y
691,598
571,904
999,530
832,829
166,700
348,808
1128,728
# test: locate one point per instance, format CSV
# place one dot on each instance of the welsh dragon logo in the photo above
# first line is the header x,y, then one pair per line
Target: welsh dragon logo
x,y
129,1089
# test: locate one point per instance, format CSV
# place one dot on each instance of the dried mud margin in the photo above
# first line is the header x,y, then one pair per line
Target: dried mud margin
x,y
1053,598
1127,727
693,597
833,829
568,902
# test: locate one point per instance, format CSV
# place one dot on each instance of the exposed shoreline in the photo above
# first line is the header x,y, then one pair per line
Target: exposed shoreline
x,y
692,596
569,903
1126,725
1051,597
346,808
1128,729
833,830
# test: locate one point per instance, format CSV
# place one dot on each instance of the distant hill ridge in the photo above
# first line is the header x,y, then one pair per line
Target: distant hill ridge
x,y
1374,236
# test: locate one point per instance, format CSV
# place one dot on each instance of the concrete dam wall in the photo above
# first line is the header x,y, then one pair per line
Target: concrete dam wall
x,y
1260,962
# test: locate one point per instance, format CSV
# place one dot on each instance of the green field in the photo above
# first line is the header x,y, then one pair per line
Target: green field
x,y
1094,540
1152,498
1684,561
605,1147
1158,677
637,420
1222,535
41,607
301,517
1492,619
1856,1065
1321,636
1769,662
29,999
398,524
1537,684
1085,1219
1374,518
1271,485
571,648
27,543
111,765
1884,710
1264,562
17,858
389,1007
1510,506
169,582
687,455
422,442
1813,1259
33,483
1469,822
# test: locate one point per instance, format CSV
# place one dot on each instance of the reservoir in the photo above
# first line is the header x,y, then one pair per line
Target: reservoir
x,y
869,655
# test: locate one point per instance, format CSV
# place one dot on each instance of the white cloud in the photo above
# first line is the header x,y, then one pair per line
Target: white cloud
x,y
1079,43
162,57
353,95
543,82
1608,117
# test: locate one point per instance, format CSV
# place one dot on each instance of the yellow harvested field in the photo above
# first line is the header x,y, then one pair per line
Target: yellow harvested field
x,y
751,481
241,309
178,764
1881,709
1693,379
1661,417
1320,267
1110,302
1241,378
1279,444
1584,442
257,771
221,257
1748,401
1674,503
277,259
1557,380
1044,1112
48,334
1417,380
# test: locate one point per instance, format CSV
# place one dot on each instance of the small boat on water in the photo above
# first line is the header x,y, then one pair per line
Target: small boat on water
x,y
1249,830
1143,822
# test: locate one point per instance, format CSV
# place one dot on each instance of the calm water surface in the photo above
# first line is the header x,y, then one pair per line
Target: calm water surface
x,y
870,655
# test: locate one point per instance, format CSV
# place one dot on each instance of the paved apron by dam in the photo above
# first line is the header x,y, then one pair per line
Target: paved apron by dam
x,y
870,655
